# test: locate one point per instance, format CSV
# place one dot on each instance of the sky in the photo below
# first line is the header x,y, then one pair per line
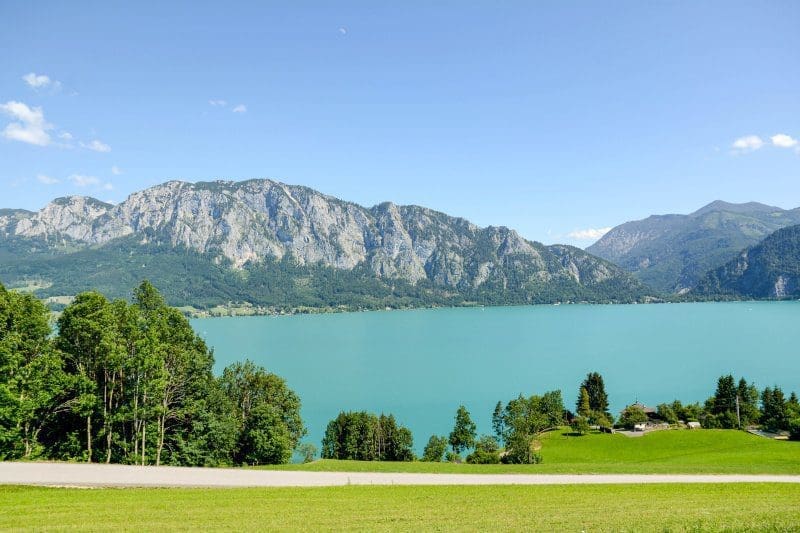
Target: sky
x,y
558,119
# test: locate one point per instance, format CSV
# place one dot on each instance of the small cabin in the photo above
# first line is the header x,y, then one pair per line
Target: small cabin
x,y
693,425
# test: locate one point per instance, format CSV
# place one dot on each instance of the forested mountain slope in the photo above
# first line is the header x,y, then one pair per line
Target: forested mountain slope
x,y
671,253
771,269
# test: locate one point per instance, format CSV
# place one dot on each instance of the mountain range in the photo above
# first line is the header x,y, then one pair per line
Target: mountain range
x,y
672,253
770,269
277,246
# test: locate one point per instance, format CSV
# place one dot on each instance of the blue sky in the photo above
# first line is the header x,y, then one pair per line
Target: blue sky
x,y
553,118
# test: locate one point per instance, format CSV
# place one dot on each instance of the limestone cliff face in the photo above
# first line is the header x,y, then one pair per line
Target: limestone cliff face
x,y
250,221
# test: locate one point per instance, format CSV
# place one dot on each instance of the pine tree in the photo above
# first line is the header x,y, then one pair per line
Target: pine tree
x,y
598,399
584,407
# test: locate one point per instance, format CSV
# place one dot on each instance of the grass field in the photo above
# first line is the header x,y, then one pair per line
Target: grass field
x,y
662,452
490,508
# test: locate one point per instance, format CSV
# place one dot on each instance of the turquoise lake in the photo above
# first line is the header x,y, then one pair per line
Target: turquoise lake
x,y
421,364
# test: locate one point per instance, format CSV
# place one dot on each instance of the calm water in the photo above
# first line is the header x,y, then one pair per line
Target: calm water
x,y
420,365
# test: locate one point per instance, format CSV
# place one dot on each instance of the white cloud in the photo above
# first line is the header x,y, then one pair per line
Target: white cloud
x,y
116,170
241,108
47,180
31,127
748,143
97,146
589,234
40,81
65,135
83,181
218,103
343,30
782,140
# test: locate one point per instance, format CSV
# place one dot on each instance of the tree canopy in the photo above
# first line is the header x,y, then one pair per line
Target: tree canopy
x,y
131,383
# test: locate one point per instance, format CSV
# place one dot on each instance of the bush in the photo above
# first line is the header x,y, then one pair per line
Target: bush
x,y
580,425
452,457
534,459
487,451
794,429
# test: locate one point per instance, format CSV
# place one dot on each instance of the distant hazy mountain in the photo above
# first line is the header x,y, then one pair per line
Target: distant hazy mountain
x,y
770,269
672,253
273,244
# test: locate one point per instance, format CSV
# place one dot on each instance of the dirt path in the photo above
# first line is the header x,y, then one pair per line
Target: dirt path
x,y
93,475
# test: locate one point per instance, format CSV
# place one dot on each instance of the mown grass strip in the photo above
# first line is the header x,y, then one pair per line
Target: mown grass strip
x,y
493,508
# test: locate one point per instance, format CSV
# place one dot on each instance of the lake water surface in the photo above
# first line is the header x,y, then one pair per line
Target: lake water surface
x,y
420,365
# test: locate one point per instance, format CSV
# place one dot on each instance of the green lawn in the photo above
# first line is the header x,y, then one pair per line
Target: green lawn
x,y
678,451
490,508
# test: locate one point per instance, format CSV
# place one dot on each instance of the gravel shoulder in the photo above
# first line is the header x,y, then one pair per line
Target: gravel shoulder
x,y
101,475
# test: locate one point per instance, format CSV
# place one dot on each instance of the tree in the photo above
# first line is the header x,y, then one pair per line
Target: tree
x,y
498,425
775,416
307,451
584,407
250,386
435,449
526,419
31,375
487,451
464,431
748,396
265,438
596,389
87,338
725,395
731,406
133,383
363,436
666,413
632,415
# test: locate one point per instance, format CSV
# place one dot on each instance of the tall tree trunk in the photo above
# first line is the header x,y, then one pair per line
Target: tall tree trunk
x,y
144,427
89,438
27,439
136,422
162,427
144,434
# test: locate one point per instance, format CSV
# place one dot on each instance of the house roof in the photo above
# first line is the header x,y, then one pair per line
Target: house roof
x,y
643,407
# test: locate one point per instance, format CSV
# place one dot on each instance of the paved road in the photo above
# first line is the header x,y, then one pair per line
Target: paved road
x,y
93,475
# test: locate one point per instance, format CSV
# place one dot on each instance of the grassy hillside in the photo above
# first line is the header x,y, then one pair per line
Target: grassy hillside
x,y
679,451
491,508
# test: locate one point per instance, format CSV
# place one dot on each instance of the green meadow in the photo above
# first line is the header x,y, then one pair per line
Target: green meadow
x,y
757,507
662,452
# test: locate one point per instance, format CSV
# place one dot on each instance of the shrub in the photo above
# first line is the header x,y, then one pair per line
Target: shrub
x,y
487,451
580,425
